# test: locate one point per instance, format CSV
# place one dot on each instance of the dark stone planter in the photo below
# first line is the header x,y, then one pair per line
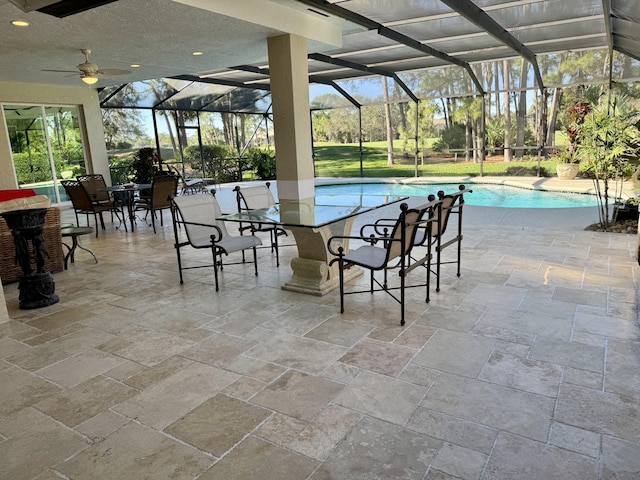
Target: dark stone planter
x,y
37,288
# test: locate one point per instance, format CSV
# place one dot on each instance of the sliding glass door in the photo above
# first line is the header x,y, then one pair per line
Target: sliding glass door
x,y
46,147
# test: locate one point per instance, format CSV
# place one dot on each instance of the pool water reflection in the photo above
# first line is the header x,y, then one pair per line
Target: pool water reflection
x,y
484,195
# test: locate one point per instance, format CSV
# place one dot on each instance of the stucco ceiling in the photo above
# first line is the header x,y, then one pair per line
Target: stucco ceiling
x,y
378,37
159,35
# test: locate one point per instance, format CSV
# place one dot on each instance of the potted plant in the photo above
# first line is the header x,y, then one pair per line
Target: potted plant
x,y
146,163
568,165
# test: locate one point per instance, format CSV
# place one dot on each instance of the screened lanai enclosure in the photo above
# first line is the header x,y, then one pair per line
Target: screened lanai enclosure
x,y
412,82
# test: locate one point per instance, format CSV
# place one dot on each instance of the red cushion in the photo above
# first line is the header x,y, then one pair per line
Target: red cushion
x,y
11,194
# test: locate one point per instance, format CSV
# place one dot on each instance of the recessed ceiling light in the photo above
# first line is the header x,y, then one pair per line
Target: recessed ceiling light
x,y
135,65
196,54
20,23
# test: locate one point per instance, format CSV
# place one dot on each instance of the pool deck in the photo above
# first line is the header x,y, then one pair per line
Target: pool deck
x,y
525,367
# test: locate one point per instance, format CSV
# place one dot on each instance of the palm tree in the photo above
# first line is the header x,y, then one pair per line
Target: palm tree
x,y
609,141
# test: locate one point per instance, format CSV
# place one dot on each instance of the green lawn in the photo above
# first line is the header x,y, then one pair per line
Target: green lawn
x,y
343,160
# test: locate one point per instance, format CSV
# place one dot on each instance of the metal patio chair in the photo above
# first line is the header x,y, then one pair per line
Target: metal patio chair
x,y
390,250
198,215
82,204
163,189
254,198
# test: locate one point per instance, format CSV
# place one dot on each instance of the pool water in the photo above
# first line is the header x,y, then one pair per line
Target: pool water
x,y
484,195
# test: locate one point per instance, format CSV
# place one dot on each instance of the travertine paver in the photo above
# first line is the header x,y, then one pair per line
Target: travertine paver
x,y
255,458
136,451
525,459
295,352
388,359
383,451
218,424
85,400
602,412
298,394
166,401
503,408
382,397
518,372
569,354
33,451
455,352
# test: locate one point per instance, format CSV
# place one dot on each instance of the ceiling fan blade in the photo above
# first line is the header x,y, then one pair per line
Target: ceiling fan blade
x,y
61,71
113,71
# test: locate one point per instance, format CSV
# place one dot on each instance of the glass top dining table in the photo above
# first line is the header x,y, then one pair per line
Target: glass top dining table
x,y
320,211
313,223
129,191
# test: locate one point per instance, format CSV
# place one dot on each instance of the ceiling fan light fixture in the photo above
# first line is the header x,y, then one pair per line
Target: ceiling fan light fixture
x,y
89,79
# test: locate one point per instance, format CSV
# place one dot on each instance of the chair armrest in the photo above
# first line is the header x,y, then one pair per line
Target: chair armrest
x,y
370,239
381,227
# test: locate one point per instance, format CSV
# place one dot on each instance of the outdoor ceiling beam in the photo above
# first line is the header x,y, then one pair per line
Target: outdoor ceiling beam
x,y
394,35
217,81
363,68
480,18
252,69
331,83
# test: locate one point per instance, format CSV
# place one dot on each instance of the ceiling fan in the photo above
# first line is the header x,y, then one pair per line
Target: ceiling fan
x,y
89,72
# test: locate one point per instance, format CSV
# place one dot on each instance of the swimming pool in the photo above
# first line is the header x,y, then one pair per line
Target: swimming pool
x,y
484,195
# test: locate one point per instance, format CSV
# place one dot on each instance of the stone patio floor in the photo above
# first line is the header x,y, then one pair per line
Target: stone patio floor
x,y
525,367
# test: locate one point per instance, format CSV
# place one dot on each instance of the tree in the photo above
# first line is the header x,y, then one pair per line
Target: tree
x,y
387,117
507,112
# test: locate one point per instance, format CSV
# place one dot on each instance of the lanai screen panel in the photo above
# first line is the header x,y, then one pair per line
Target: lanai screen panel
x,y
194,96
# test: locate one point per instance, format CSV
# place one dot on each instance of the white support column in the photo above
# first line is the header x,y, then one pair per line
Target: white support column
x,y
292,127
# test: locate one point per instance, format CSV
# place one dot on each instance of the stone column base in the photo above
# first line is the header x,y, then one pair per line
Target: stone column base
x,y
313,277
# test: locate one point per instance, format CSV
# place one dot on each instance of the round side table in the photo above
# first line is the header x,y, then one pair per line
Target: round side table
x,y
74,233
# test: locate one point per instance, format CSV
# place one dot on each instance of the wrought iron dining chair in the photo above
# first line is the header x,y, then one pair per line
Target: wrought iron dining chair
x,y
452,203
82,203
254,198
391,250
431,237
94,184
198,215
163,189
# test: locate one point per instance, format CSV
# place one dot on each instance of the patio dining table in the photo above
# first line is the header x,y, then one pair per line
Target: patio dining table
x,y
129,193
312,223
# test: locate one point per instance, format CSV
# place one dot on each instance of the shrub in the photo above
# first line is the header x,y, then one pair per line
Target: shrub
x,y
451,138
220,162
263,163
